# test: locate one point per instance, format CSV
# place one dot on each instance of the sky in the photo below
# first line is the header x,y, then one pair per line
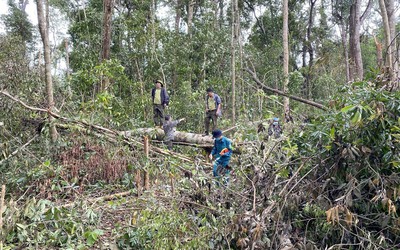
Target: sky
x,y
30,9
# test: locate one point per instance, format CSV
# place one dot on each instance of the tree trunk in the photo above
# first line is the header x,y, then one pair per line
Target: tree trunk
x,y
388,39
310,51
182,137
190,16
178,15
379,57
44,33
343,34
234,8
286,59
390,9
66,57
356,64
108,6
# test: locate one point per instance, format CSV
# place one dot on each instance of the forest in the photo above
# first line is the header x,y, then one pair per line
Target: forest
x,y
305,94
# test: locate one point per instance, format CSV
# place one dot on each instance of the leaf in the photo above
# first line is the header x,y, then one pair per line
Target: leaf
x,y
349,217
347,108
356,118
332,133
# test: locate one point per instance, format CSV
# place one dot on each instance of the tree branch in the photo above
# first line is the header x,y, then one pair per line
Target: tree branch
x,y
279,92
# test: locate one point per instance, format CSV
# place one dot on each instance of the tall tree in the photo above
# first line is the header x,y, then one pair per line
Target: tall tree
x,y
44,33
388,37
356,65
285,36
234,38
308,48
355,22
108,6
190,10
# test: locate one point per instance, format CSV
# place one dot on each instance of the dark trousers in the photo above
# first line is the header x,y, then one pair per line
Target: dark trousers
x,y
211,115
169,145
158,110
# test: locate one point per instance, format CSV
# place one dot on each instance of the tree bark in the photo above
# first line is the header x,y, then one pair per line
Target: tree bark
x,y
44,33
183,137
66,57
356,64
178,15
310,51
190,17
388,39
343,34
285,39
234,8
108,6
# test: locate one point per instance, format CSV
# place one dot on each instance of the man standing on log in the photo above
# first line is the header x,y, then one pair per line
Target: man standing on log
x,y
222,152
213,110
160,100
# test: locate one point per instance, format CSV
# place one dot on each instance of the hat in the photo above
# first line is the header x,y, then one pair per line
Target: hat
x,y
159,81
217,133
210,90
276,119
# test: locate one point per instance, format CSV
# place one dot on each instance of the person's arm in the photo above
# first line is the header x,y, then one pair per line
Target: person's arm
x,y
152,94
206,103
166,97
228,145
218,101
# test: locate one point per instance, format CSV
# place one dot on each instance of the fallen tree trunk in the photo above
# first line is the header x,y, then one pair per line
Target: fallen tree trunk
x,y
181,137
279,92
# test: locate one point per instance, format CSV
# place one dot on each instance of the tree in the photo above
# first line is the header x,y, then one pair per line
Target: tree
x,y
387,13
355,22
234,38
108,6
285,34
44,33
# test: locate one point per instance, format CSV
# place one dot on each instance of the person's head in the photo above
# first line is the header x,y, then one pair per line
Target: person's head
x,y
217,134
158,84
167,117
275,121
210,92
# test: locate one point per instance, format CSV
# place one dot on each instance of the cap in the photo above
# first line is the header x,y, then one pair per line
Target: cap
x,y
217,133
276,119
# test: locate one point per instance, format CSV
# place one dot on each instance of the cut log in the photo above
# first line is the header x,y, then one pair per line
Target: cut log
x,y
185,137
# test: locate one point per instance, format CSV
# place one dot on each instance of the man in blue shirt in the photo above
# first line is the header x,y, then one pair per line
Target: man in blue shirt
x,y
222,152
213,110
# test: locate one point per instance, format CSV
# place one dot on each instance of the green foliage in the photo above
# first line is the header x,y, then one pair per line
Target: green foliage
x,y
168,229
42,224
17,23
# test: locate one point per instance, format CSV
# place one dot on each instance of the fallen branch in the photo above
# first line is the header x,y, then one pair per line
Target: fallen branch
x,y
279,92
102,198
18,149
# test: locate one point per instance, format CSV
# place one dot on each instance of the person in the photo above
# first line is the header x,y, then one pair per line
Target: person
x,y
169,130
160,100
275,128
221,152
213,110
